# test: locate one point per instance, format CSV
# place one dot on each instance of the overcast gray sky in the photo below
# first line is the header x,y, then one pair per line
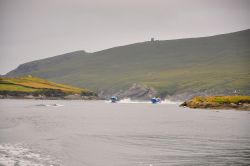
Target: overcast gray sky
x,y
36,29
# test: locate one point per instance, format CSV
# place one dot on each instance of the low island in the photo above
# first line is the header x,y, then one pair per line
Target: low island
x,y
30,87
219,102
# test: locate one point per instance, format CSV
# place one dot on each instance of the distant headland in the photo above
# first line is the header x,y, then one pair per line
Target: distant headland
x,y
175,69
29,87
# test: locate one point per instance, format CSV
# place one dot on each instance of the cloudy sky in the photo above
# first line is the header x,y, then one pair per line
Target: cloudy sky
x,y
36,29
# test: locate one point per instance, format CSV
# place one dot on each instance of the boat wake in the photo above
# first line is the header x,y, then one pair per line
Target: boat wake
x,y
170,102
129,101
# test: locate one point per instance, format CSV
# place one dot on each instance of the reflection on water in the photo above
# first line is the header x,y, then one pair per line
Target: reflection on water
x,y
96,133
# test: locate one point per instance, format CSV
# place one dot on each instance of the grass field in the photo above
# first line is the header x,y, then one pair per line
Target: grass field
x,y
32,84
219,102
221,99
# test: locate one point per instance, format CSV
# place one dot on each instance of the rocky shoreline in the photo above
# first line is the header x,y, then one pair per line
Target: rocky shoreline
x,y
47,96
69,97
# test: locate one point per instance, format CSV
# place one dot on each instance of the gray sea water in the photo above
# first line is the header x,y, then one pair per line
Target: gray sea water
x,y
97,133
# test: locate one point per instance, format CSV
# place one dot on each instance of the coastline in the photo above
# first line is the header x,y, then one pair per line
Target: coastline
x,y
41,97
30,87
241,103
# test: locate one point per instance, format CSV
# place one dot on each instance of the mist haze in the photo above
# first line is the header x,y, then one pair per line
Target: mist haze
x,y
32,29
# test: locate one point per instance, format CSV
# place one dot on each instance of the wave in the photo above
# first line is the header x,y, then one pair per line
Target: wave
x,y
18,154
50,105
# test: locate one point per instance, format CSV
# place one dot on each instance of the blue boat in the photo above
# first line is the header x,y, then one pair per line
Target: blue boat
x,y
155,100
114,99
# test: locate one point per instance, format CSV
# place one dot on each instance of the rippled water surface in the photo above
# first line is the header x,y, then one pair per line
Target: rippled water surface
x,y
97,133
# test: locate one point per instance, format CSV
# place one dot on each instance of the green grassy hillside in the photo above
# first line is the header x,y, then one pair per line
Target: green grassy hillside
x,y
35,84
218,63
219,102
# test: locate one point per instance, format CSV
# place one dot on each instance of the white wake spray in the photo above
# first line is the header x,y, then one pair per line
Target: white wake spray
x,y
166,101
129,101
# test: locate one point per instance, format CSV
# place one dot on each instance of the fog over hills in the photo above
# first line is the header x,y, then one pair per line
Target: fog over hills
x,y
208,65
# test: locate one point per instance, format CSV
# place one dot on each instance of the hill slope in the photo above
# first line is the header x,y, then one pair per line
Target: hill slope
x,y
29,85
217,64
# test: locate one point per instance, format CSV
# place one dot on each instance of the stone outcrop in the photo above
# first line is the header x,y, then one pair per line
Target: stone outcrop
x,y
134,92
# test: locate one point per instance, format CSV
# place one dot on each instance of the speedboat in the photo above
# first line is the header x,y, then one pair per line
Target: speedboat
x,y
114,99
155,100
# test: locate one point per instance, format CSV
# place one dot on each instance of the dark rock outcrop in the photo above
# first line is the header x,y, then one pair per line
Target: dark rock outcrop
x,y
134,92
